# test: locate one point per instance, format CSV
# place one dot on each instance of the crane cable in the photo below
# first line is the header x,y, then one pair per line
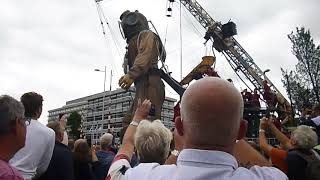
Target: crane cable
x,y
103,19
113,35
187,17
180,27
191,25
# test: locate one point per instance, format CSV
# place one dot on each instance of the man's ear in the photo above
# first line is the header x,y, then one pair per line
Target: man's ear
x,y
242,129
39,112
14,129
293,141
179,125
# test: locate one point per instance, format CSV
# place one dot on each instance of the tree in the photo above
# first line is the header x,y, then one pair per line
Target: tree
x,y
308,55
299,95
74,122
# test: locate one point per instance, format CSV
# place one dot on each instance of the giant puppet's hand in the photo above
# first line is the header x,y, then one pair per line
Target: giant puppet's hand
x,y
125,81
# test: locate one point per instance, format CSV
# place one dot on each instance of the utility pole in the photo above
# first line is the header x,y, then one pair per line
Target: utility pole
x,y
290,97
110,80
104,91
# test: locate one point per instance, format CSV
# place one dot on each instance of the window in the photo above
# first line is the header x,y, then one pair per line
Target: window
x,y
119,106
119,115
98,118
125,104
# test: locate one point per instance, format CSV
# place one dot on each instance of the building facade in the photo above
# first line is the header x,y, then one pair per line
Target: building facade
x,y
103,112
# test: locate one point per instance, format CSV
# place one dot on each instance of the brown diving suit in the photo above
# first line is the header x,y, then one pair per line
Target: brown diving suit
x,y
143,69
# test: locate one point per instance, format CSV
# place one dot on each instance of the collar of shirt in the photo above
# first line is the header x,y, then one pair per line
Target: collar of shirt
x,y
206,158
316,120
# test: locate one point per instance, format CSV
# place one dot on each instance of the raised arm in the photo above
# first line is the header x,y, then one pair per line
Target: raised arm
x,y
262,136
141,113
178,146
283,139
246,155
121,161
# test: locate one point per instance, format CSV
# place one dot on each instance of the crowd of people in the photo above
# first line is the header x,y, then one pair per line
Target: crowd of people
x,y
208,142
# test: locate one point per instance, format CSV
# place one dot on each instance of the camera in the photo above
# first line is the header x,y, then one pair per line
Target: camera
x,y
152,111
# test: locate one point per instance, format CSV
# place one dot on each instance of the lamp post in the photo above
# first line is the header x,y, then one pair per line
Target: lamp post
x,y
290,96
265,71
105,75
92,112
104,89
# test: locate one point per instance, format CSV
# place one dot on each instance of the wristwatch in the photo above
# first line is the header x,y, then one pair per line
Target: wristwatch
x,y
262,131
134,123
175,152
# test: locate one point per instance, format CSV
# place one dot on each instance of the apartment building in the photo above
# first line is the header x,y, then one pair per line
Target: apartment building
x,y
103,112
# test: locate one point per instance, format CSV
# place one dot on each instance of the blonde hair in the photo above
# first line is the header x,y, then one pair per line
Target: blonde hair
x,y
152,141
304,137
106,140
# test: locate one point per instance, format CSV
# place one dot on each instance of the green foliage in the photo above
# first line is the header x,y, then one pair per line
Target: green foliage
x,y
302,84
296,89
308,55
74,122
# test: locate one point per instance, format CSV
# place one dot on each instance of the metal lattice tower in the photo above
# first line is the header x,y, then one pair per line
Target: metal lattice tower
x,y
240,61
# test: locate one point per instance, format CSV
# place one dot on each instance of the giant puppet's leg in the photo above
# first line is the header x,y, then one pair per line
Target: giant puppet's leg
x,y
147,87
140,93
150,87
156,94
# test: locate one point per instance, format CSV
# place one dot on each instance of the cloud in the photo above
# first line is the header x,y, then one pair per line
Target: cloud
x,y
52,47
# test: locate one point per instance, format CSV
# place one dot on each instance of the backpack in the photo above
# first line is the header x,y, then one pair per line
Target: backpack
x,y
312,170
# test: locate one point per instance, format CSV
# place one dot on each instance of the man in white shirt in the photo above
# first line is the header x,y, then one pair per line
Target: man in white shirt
x,y
315,121
33,160
210,123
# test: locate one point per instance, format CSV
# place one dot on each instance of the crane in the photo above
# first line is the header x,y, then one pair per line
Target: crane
x,y
238,58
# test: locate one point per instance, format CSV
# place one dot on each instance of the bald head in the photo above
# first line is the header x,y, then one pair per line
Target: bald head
x,y
211,110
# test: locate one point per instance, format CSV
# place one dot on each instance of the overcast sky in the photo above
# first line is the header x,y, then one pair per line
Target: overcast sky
x,y
53,47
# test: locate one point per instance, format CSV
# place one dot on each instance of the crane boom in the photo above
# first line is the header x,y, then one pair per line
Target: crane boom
x,y
239,60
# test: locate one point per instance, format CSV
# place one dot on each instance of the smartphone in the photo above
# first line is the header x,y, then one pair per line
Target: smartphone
x,y
152,111
268,114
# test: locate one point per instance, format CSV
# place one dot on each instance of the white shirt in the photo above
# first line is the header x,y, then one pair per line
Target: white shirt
x,y
316,120
33,160
195,165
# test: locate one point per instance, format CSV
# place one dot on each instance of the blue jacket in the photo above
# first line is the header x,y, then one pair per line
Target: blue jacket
x,y
105,158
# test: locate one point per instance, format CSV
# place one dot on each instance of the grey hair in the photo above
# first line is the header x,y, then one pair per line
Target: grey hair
x,y
10,110
305,137
106,140
152,141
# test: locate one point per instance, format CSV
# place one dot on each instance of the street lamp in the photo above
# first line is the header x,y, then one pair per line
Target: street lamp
x,y
264,74
104,89
105,75
265,71
289,93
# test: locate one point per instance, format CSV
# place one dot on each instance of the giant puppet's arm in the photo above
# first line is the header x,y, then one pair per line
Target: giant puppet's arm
x,y
147,54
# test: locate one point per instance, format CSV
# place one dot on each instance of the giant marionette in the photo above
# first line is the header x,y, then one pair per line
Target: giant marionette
x,y
144,50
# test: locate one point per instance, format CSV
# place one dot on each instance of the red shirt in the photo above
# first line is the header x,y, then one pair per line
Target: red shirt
x,y
278,158
8,173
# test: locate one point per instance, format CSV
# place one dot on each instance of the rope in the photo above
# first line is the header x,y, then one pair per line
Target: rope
x,y
100,13
180,26
165,35
117,43
187,17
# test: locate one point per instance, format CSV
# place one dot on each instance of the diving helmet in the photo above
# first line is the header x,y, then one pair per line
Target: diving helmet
x,y
132,23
